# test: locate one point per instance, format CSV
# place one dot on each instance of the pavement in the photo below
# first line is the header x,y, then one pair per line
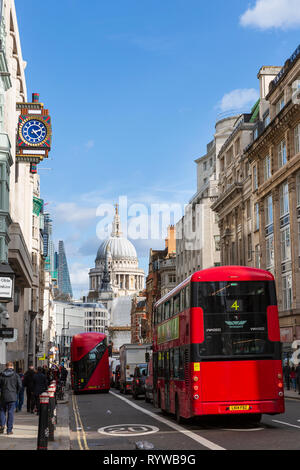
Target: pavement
x,y
25,430
291,394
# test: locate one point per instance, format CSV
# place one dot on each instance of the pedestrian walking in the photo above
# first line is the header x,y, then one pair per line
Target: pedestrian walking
x,y
298,377
286,373
20,399
40,385
28,384
10,385
293,378
63,375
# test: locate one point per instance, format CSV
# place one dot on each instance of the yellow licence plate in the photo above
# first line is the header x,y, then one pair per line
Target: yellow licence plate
x,y
239,408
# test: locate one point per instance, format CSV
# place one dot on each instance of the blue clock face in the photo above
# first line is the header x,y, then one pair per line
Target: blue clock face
x,y
34,131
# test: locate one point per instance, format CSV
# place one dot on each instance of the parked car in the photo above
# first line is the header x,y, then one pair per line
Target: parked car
x,y
149,383
114,362
138,382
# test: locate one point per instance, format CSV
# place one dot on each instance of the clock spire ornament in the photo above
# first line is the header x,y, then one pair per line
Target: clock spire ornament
x,y
34,131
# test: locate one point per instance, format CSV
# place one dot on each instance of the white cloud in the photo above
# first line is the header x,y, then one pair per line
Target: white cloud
x,y
238,99
267,14
72,212
79,275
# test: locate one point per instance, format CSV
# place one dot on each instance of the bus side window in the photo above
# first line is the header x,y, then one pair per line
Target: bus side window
x,y
160,364
171,362
182,294
177,304
158,314
166,372
176,363
167,310
187,297
181,363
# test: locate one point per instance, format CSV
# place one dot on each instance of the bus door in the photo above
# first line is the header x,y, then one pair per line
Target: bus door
x,y
167,379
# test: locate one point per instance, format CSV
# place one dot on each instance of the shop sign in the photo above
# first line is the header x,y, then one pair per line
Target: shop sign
x,y
6,285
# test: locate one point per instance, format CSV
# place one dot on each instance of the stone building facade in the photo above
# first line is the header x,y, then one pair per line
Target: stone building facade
x,y
274,156
258,202
161,277
198,238
20,206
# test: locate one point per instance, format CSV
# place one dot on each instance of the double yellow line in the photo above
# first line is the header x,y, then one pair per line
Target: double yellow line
x,y
81,436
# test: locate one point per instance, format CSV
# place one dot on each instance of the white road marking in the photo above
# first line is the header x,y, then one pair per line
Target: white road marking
x,y
128,430
201,440
244,430
287,424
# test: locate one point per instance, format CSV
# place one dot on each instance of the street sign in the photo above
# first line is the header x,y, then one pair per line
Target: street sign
x,y
7,333
6,284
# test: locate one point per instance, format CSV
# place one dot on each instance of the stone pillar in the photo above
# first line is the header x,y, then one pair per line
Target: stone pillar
x,y
262,234
294,238
277,245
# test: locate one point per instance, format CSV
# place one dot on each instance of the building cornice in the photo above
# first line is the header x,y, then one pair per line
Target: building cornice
x,y
279,124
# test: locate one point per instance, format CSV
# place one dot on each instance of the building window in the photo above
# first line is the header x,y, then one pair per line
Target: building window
x,y
217,243
279,105
211,162
287,292
284,199
270,251
249,238
267,120
248,209
285,244
257,256
268,210
297,138
255,180
267,168
255,133
256,210
282,158
298,188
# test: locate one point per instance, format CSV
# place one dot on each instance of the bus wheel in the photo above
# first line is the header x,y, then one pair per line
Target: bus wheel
x,y
177,412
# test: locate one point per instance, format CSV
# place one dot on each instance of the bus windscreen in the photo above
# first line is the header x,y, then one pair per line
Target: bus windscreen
x,y
235,317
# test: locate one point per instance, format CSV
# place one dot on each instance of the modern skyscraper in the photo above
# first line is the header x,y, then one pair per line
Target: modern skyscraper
x,y
64,283
48,244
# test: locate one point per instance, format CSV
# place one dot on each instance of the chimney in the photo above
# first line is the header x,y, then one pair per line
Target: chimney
x,y
170,242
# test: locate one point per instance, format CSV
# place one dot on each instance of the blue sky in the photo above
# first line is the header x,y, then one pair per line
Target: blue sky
x,y
134,89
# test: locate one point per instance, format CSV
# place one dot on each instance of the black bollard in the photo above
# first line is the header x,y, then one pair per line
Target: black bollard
x,y
51,417
43,431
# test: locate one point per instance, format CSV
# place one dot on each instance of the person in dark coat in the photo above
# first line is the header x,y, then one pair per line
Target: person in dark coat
x,y
286,373
20,399
28,384
298,377
40,385
10,385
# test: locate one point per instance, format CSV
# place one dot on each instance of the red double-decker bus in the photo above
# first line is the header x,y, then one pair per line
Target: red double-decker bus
x,y
89,362
216,345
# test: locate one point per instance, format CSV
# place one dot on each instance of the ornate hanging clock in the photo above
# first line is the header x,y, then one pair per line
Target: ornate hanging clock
x,y
34,131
